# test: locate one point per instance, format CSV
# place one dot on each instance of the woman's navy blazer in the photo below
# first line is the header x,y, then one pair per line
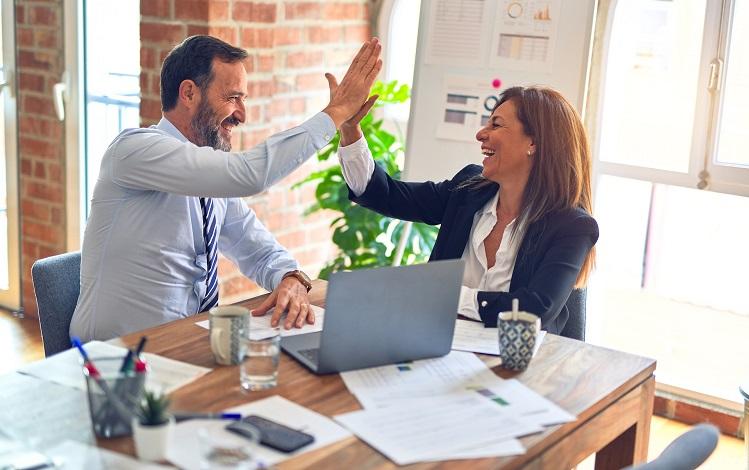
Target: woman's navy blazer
x,y
549,258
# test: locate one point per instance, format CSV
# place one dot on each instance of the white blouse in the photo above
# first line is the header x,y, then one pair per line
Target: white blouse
x,y
358,166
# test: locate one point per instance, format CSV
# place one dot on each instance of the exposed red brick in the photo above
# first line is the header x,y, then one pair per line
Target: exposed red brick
x,y
56,215
288,36
342,11
218,10
37,105
162,33
35,60
39,148
227,34
31,82
310,81
254,12
147,58
693,414
191,9
44,191
259,88
47,38
54,171
39,171
41,232
265,63
304,59
195,29
25,167
356,33
252,38
322,34
42,16
24,37
158,8
35,210
307,10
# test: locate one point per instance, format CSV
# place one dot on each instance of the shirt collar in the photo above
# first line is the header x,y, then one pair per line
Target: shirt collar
x,y
490,208
167,126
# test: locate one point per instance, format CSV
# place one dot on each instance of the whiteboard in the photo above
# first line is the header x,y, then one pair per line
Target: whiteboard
x,y
465,47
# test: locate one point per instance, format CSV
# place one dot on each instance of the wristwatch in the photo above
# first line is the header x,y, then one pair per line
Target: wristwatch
x,y
301,277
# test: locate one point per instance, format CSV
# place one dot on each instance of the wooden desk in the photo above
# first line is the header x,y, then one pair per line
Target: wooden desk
x,y
610,392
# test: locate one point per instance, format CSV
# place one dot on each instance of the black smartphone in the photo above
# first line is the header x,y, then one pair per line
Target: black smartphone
x,y
272,434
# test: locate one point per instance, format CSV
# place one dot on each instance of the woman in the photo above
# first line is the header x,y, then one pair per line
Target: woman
x,y
521,222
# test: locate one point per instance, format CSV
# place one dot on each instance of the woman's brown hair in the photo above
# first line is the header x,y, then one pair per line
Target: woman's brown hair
x,y
561,169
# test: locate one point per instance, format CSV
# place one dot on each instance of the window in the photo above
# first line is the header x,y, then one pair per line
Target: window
x,y
10,276
670,117
103,93
399,27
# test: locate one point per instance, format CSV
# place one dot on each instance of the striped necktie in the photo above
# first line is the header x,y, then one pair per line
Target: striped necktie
x,y
209,234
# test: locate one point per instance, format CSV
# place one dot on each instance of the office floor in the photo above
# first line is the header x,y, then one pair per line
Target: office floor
x,y
20,342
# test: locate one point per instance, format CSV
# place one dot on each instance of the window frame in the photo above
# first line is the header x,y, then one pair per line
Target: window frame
x,y
703,172
11,297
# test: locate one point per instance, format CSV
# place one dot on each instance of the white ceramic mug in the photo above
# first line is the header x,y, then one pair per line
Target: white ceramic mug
x,y
227,325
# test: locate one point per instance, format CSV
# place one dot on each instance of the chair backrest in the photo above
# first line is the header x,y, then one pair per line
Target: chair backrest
x,y
686,452
57,283
575,327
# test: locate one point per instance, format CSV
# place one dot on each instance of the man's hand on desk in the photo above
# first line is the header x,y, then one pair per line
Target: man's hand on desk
x,y
290,296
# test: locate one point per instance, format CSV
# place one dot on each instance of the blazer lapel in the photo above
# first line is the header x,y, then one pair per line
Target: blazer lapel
x,y
460,227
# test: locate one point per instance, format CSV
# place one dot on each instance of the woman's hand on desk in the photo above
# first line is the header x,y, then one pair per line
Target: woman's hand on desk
x,y
290,296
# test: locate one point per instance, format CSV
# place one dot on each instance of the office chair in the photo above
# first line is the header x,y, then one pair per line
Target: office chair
x,y
575,327
686,452
57,283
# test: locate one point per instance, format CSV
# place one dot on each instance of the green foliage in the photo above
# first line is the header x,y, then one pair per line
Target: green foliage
x,y
364,238
153,410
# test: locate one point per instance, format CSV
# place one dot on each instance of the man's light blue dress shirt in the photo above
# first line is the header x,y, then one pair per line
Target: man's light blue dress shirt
x,y
144,258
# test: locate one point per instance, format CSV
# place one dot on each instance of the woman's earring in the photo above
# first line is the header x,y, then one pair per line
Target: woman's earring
x,y
529,153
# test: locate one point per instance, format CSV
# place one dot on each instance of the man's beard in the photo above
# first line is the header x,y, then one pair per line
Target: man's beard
x,y
207,131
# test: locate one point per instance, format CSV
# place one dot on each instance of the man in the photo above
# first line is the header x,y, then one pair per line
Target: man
x,y
167,197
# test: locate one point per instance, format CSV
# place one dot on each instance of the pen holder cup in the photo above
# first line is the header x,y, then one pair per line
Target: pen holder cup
x,y
518,334
113,397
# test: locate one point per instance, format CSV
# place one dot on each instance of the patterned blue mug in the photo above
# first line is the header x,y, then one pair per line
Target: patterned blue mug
x,y
518,333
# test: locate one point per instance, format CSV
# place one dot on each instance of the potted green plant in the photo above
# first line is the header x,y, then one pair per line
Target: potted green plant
x,y
152,427
364,238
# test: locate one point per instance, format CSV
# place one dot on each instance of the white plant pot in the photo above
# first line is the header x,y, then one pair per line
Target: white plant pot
x,y
152,442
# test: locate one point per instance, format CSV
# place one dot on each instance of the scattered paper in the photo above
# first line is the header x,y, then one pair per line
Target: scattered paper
x,y
525,35
184,450
436,427
474,337
466,106
71,455
458,371
455,33
165,375
260,326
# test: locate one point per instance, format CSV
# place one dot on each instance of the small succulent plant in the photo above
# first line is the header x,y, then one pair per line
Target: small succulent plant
x,y
152,411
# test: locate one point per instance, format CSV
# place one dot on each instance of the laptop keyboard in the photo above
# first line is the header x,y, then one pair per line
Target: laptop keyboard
x,y
310,354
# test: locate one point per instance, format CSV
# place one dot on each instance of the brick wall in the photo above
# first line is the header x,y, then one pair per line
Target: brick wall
x,y
41,147
291,45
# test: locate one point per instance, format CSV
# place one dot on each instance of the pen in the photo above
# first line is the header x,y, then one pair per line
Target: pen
x,y
179,416
127,361
94,372
141,344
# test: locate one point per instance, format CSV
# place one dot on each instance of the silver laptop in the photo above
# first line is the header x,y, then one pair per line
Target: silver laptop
x,y
383,316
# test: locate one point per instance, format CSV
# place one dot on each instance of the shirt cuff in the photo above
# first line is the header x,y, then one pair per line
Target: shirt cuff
x,y
357,165
468,306
321,128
